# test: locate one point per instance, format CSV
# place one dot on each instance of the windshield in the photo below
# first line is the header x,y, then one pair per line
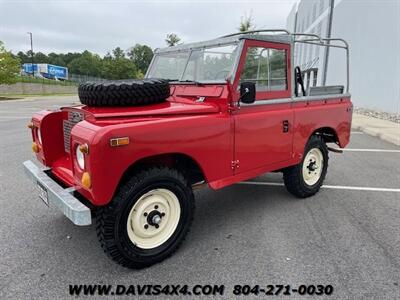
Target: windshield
x,y
212,64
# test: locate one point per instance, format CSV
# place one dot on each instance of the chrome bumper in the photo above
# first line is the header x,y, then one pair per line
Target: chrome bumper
x,y
59,197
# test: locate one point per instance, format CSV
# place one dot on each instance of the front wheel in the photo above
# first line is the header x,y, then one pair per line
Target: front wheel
x,y
306,178
147,219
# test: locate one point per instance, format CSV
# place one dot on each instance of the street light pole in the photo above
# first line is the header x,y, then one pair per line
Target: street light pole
x,y
33,69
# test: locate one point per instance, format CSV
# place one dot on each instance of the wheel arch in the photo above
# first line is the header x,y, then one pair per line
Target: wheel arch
x,y
328,134
182,162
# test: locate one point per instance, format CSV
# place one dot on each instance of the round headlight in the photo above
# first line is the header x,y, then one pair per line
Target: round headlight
x,y
80,158
39,135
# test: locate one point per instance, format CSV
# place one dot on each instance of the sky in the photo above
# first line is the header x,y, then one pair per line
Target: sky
x,y
99,26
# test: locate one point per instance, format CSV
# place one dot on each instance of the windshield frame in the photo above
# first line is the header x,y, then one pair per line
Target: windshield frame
x,y
231,77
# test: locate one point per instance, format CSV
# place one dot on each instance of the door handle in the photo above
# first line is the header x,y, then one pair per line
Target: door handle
x,y
285,126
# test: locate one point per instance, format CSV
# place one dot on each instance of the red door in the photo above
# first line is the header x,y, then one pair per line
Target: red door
x,y
263,130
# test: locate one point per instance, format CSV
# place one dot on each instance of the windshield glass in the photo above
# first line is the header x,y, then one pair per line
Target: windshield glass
x,y
212,64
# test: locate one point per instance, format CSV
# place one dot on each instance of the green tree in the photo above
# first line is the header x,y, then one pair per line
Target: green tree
x,y
141,56
246,23
23,57
9,66
57,59
118,53
117,66
172,39
86,64
40,58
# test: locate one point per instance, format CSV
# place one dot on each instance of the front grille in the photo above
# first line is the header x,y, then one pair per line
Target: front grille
x,y
74,117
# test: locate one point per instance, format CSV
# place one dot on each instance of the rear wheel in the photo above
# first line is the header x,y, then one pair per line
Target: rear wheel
x,y
306,178
148,218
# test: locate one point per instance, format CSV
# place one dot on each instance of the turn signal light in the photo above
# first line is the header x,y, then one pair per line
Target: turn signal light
x,y
119,141
30,125
35,147
84,148
86,181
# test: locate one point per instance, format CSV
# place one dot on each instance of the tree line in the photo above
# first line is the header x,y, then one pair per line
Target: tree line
x,y
116,64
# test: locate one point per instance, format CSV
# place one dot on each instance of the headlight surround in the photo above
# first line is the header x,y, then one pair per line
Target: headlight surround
x,y
39,136
80,158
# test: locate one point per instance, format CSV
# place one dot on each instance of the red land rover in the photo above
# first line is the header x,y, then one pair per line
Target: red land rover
x,y
216,113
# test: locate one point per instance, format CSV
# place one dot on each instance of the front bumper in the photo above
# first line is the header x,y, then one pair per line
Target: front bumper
x,y
59,197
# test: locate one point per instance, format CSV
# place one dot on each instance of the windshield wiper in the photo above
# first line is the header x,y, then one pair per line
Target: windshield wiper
x,y
191,81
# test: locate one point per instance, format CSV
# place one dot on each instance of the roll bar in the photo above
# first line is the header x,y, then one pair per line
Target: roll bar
x,y
308,38
257,31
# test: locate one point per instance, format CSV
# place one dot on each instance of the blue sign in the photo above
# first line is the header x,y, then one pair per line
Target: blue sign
x,y
46,70
57,71
28,68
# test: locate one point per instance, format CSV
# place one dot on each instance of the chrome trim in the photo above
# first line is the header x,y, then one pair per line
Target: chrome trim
x,y
296,99
320,97
267,102
59,197
237,60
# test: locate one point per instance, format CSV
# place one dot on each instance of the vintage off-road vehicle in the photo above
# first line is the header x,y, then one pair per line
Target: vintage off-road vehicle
x,y
216,113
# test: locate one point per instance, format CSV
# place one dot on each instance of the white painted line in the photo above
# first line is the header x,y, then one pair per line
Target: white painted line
x,y
360,188
15,117
369,150
357,132
337,187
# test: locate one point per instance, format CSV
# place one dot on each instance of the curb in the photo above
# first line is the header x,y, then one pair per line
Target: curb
x,y
383,136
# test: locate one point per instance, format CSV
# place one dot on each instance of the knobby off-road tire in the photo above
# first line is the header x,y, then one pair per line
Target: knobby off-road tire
x,y
124,92
306,178
127,227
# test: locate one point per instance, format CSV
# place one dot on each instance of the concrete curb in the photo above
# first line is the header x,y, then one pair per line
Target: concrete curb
x,y
385,130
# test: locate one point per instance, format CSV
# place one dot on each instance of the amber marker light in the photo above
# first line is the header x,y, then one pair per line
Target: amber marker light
x,y
122,141
30,125
35,147
86,181
84,148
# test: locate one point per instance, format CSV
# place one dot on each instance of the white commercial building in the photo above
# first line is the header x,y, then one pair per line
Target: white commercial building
x,y
372,29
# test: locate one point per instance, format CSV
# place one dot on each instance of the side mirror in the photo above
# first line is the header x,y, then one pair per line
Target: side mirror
x,y
247,92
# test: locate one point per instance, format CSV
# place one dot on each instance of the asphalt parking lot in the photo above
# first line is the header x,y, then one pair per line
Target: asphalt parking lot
x,y
348,235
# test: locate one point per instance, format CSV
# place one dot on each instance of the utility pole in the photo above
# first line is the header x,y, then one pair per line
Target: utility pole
x,y
33,69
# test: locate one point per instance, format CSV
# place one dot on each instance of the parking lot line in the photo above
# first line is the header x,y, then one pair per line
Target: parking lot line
x,y
369,150
338,187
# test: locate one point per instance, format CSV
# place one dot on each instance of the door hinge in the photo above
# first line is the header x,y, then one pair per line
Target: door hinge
x,y
235,164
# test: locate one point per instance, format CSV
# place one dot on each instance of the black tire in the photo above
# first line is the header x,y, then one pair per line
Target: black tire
x,y
293,176
111,220
124,92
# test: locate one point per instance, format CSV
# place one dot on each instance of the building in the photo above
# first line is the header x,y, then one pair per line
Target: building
x,y
372,29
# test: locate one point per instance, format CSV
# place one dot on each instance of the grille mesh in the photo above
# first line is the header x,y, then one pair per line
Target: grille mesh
x,y
73,119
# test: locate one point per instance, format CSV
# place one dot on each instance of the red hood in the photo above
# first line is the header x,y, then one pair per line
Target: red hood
x,y
173,106
181,102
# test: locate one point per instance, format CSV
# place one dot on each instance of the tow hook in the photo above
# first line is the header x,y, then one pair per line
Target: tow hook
x,y
336,150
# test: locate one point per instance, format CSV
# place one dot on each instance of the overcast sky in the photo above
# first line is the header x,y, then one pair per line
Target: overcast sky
x,y
99,26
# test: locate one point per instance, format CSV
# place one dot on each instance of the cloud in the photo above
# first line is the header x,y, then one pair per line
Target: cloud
x,y
99,26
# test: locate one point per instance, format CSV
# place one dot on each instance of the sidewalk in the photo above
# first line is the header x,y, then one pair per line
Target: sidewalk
x,y
385,130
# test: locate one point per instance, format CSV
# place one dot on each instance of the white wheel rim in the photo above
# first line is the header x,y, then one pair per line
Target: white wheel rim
x,y
154,218
312,166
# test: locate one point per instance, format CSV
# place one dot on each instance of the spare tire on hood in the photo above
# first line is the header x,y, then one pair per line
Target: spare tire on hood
x,y
124,92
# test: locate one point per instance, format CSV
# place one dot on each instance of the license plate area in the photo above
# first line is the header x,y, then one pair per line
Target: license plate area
x,y
43,194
